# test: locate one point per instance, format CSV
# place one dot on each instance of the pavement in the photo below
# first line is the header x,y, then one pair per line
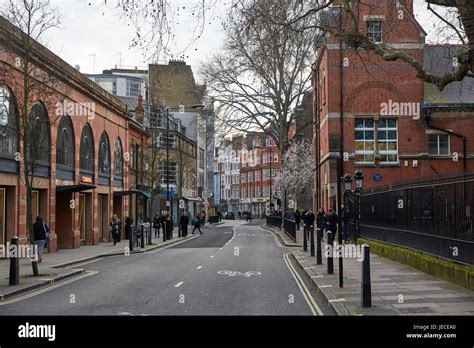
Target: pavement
x,y
65,264
397,289
232,269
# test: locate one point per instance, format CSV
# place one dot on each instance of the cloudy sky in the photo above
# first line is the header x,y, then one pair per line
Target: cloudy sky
x,y
87,29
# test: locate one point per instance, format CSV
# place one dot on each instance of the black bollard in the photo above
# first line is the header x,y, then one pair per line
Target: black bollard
x,y
164,231
311,240
319,251
150,235
305,239
130,238
142,236
14,278
330,252
366,285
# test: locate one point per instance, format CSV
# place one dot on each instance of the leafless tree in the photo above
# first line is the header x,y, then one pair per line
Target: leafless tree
x,y
264,69
33,84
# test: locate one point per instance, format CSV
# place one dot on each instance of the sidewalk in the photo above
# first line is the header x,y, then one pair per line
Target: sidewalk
x,y
397,289
59,266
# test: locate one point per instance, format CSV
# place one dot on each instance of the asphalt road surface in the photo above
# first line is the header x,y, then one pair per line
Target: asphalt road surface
x,y
233,269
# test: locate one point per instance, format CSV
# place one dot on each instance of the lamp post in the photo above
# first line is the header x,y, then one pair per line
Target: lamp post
x,y
359,181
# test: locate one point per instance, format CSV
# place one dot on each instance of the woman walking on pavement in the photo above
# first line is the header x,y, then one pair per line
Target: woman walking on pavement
x,y
197,224
115,228
41,232
156,225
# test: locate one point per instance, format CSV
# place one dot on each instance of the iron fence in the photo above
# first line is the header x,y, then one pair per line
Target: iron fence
x,y
431,216
274,221
290,228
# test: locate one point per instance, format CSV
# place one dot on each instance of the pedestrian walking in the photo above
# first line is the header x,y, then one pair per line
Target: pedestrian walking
x,y
249,216
41,236
197,224
321,221
308,220
331,225
156,225
184,222
297,217
115,228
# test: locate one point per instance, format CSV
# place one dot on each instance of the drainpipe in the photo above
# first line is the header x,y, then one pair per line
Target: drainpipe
x,y
463,137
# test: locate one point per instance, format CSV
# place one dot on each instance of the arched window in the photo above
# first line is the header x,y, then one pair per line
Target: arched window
x,y
118,163
8,124
87,150
118,159
65,143
37,141
104,155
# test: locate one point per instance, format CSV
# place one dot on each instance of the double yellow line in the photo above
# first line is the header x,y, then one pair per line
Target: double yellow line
x,y
49,288
304,290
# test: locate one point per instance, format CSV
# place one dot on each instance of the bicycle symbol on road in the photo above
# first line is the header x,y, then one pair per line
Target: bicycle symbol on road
x,y
239,274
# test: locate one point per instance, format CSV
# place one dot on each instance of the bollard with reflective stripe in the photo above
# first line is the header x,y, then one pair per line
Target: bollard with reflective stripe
x,y
319,251
366,284
311,240
305,238
14,278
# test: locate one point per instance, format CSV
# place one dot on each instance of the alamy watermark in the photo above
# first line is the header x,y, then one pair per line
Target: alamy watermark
x,y
347,251
392,108
23,251
74,109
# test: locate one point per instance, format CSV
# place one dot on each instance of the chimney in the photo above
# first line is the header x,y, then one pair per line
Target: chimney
x,y
139,111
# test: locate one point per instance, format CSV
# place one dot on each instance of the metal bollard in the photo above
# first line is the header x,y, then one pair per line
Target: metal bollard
x,y
164,231
142,236
319,251
130,240
330,246
14,264
311,240
366,285
305,239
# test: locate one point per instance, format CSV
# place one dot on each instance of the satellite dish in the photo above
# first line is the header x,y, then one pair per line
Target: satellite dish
x,y
78,67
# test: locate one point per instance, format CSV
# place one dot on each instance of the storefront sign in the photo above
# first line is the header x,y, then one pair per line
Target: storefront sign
x,y
86,179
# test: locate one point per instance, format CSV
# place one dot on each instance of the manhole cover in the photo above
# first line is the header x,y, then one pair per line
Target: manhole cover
x,y
416,310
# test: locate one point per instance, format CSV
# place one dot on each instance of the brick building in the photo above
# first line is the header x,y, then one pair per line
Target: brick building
x,y
82,167
383,123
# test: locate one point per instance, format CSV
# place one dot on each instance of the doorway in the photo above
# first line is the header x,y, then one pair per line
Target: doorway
x,y
3,214
103,217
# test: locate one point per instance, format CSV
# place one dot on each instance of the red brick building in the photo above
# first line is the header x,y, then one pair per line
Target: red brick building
x,y
84,164
392,126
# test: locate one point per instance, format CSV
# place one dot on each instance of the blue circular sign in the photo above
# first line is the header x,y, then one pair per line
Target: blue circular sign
x,y
377,177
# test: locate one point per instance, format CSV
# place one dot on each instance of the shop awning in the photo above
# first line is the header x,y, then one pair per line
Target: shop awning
x,y
131,193
75,188
192,199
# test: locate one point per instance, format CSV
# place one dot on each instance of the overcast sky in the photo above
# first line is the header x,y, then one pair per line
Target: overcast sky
x,y
87,29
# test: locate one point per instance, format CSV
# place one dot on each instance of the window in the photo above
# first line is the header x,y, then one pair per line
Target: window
x,y
364,140
104,155
65,143
275,157
374,31
439,144
201,158
37,139
133,89
387,140
173,172
114,88
87,150
118,159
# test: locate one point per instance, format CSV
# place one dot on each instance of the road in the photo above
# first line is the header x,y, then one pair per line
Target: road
x,y
233,269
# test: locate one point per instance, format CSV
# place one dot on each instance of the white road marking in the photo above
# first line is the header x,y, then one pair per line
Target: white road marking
x,y
179,284
239,274
304,290
199,267
213,256
337,300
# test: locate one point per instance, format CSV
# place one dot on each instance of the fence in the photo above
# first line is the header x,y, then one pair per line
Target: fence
x,y
274,221
290,228
431,216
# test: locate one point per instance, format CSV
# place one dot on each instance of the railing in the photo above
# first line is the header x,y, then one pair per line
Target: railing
x,y
274,221
431,216
213,219
290,228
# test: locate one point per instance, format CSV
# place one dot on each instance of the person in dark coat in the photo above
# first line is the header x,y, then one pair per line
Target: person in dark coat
x,y
297,218
331,223
115,228
184,222
321,221
197,224
41,232
157,225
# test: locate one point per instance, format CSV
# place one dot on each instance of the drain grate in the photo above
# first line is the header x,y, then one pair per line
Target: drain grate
x,y
416,310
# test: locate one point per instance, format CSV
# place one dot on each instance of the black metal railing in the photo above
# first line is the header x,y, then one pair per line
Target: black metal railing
x,y
431,216
290,228
274,221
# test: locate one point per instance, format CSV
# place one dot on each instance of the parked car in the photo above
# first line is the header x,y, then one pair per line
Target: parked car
x,y
229,216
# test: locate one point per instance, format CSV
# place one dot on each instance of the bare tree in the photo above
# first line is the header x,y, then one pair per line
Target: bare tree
x,y
454,22
33,18
264,69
